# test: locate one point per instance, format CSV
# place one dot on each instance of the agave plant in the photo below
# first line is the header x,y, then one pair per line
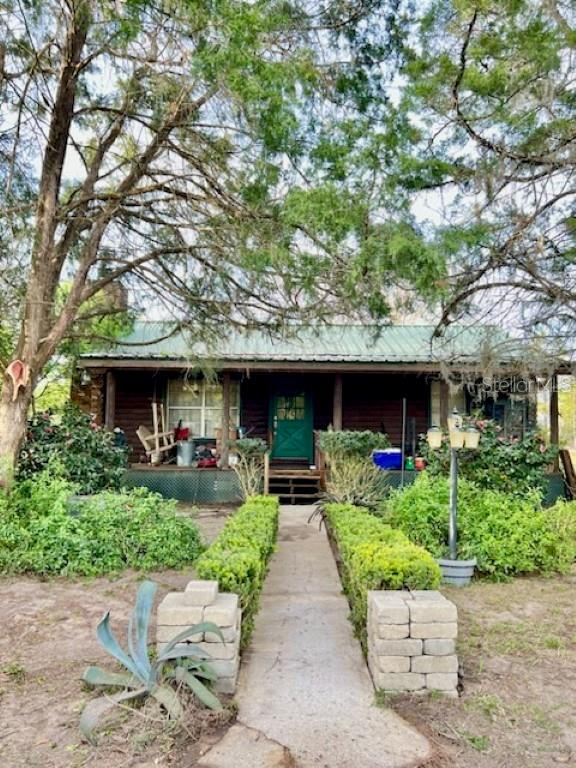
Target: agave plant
x,y
143,677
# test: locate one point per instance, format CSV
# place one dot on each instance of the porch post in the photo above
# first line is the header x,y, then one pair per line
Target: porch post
x,y
444,404
337,405
224,450
554,419
110,400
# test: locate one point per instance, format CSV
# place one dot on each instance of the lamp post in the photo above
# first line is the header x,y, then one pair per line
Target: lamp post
x,y
459,438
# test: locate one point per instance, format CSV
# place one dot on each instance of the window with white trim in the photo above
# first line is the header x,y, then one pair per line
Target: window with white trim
x,y
198,404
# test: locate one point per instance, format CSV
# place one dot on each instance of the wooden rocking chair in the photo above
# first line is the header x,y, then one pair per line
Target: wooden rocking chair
x,y
152,440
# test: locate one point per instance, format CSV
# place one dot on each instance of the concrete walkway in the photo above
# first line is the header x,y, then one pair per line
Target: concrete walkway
x,y
305,695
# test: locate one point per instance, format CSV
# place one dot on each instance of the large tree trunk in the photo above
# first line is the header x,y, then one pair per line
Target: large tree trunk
x,y
13,414
38,338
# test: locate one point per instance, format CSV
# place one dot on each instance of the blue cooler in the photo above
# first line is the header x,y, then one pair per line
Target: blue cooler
x,y
388,458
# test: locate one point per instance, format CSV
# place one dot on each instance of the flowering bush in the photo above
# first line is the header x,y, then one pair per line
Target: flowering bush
x,y
508,464
76,449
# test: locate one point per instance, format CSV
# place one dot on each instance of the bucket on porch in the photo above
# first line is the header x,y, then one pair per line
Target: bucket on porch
x,y
184,453
388,458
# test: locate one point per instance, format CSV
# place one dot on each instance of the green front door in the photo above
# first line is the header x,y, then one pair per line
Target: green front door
x,y
291,422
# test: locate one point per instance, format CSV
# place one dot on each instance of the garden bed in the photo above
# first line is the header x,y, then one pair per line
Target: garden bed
x,y
517,648
48,640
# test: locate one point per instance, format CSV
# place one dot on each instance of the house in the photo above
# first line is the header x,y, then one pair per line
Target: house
x,y
283,388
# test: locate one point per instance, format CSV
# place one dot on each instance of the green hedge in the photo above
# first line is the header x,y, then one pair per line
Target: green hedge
x,y
376,556
43,531
238,557
506,534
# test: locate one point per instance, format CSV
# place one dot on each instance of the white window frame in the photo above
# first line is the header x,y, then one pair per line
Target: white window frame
x,y
203,409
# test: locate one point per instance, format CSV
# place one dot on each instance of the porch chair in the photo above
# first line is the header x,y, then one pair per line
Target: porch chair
x,y
151,440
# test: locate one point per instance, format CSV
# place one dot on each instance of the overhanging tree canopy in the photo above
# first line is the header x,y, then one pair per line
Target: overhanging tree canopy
x,y
222,160
490,88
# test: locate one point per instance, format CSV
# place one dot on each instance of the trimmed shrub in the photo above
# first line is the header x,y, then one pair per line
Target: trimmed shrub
x,y
75,448
238,557
351,442
41,532
507,534
376,556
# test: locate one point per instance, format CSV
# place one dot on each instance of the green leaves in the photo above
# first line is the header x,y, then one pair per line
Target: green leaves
x,y
507,534
145,678
48,530
86,454
111,646
203,693
514,465
351,443
375,556
172,652
352,476
97,676
138,631
486,86
237,558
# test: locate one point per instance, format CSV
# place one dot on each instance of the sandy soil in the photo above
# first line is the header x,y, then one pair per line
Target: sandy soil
x,y
47,639
517,647
518,656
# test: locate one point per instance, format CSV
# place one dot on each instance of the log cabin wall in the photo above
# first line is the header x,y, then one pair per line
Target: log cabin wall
x,y
135,391
254,394
370,401
374,401
88,395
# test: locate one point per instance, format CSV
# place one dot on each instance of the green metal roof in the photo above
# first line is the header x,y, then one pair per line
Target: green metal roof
x,y
310,344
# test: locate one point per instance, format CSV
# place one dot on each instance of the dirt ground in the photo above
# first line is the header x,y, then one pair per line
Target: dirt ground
x,y
517,649
47,639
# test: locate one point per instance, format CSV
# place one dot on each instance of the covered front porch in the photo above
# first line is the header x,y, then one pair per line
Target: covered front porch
x,y
281,391
284,408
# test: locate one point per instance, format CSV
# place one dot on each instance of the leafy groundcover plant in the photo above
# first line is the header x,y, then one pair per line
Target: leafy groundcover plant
x,y
238,557
80,450
375,556
506,534
161,679
44,529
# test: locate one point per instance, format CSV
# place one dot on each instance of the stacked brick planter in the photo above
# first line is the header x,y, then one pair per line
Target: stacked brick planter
x,y
201,601
412,641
